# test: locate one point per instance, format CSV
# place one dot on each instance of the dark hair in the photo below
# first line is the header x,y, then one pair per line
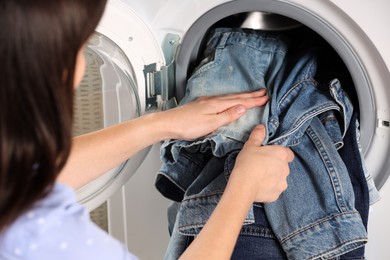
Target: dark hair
x,y
39,43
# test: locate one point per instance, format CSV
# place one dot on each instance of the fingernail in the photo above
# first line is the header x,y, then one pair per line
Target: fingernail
x,y
260,127
240,110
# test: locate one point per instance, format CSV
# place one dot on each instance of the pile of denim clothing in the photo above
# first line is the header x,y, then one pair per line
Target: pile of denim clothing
x,y
324,211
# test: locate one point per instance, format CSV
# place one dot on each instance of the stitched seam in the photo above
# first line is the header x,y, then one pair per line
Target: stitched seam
x,y
321,221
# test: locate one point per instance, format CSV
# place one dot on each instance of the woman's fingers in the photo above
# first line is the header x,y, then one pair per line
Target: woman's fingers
x,y
254,94
206,114
223,104
218,104
230,115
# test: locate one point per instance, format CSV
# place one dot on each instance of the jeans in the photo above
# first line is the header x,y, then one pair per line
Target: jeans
x,y
373,192
364,189
257,241
315,217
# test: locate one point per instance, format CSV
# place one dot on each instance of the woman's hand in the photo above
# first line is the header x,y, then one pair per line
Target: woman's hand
x,y
95,153
262,169
206,114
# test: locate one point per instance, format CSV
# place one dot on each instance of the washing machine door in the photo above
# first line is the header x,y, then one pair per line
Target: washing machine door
x,y
126,74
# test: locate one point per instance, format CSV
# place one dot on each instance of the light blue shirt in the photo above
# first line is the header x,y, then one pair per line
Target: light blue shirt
x,y
57,227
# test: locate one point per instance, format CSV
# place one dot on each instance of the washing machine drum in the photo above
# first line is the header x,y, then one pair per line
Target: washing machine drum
x,y
354,50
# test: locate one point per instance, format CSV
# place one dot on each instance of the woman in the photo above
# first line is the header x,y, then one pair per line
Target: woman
x,y
41,47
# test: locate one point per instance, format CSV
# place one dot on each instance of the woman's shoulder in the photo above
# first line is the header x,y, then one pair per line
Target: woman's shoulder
x,y
58,226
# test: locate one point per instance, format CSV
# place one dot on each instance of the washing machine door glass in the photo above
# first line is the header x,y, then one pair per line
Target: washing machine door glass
x,y
107,95
124,74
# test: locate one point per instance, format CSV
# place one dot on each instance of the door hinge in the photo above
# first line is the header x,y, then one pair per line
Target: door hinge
x,y
160,79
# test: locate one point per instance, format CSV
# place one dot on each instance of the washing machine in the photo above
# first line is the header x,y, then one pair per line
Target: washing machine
x,y
142,54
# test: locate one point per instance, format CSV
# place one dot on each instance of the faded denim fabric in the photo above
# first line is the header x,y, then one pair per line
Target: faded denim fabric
x,y
198,204
257,241
352,158
310,118
304,117
363,185
235,60
373,192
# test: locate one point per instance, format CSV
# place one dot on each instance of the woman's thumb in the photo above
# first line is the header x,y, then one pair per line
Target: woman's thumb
x,y
257,136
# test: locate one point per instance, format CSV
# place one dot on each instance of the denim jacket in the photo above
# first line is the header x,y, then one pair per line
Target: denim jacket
x,y
312,120
315,216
